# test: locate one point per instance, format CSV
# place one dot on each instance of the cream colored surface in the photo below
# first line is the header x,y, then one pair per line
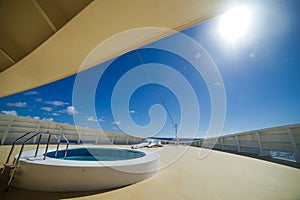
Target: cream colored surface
x,y
25,25
62,54
218,176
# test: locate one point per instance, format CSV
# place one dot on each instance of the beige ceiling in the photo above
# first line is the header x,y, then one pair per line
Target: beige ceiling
x,y
26,24
55,45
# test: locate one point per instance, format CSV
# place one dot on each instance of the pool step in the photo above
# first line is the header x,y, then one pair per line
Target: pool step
x,y
6,176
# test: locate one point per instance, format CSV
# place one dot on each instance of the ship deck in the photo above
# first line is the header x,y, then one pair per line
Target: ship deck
x,y
219,175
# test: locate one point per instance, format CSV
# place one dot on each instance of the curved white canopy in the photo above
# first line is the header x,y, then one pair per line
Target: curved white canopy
x,y
62,54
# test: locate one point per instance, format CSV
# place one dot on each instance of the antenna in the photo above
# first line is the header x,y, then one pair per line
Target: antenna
x,y
160,97
176,135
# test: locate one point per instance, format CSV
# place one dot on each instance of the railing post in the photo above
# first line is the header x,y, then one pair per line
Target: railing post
x,y
97,138
259,144
10,152
7,130
61,130
57,147
38,145
113,139
238,143
15,162
37,130
46,150
222,143
129,139
293,143
66,151
79,136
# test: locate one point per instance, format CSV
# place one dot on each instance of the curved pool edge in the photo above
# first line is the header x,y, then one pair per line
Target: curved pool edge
x,y
69,175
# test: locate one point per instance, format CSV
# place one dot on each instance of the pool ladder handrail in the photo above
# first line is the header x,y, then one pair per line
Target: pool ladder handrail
x,y
38,144
8,171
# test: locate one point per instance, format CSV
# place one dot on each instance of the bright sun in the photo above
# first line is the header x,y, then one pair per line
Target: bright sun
x,y
234,23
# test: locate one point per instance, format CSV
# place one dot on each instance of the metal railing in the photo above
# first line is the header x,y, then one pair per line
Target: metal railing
x,y
9,170
35,134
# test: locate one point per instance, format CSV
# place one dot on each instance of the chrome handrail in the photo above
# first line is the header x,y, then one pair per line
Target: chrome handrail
x,y
15,162
58,142
67,147
46,150
13,145
21,150
38,144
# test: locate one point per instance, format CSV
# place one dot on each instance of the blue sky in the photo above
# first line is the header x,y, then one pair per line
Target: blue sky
x,y
260,73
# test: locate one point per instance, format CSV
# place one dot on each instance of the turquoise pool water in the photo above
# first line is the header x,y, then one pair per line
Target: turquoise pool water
x,y
97,154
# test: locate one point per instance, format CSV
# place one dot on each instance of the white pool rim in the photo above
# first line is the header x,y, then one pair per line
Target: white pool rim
x,y
51,174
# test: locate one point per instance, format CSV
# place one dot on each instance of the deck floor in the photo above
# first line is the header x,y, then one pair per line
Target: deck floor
x,y
219,175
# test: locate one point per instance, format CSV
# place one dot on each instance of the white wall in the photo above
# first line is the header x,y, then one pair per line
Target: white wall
x,y
13,127
260,142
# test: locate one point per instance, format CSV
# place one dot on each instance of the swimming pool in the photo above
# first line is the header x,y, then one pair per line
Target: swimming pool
x,y
97,154
85,169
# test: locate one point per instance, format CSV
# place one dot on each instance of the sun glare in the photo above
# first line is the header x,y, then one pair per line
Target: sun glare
x,y
234,23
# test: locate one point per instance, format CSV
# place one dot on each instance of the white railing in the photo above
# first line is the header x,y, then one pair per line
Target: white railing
x,y
13,127
263,142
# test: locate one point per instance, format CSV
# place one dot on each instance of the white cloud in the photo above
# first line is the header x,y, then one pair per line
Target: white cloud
x,y
38,99
48,119
44,119
11,112
116,122
56,103
91,119
17,104
71,110
55,114
32,92
49,109
132,111
101,120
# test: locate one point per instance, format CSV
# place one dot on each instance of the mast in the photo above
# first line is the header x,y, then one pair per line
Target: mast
x,y
160,97
176,135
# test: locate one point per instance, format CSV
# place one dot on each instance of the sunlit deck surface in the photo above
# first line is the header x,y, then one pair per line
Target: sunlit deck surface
x,y
220,175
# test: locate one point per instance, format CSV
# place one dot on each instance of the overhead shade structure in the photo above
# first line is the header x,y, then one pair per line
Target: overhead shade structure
x,y
62,54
